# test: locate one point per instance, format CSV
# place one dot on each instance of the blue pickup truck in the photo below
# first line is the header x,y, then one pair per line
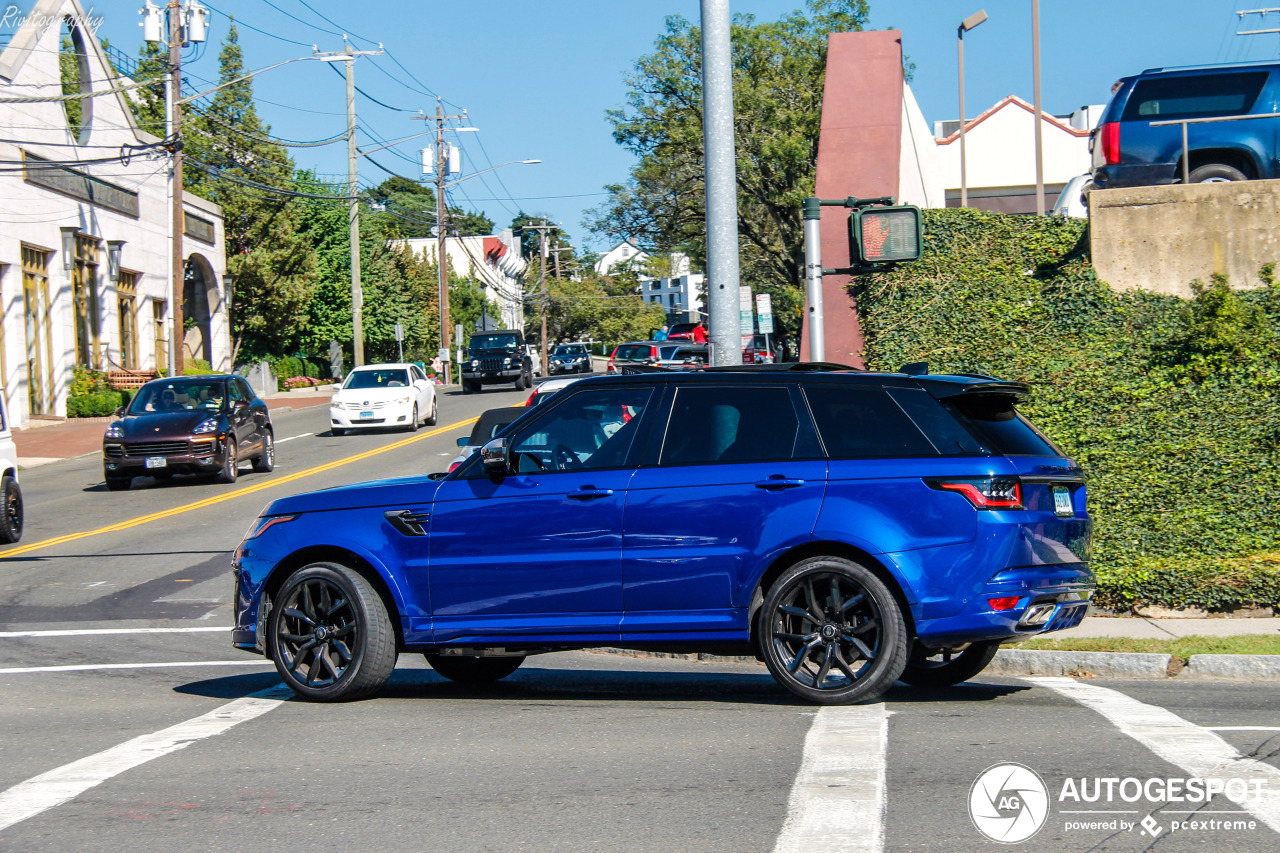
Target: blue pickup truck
x,y
1129,152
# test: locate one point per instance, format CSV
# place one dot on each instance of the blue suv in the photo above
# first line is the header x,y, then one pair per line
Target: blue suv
x,y
848,528
1128,152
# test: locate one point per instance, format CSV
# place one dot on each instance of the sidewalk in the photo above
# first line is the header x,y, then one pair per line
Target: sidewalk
x,y
1141,628
79,436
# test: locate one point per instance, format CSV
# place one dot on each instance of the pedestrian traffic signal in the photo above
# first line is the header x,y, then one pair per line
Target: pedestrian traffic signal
x,y
886,234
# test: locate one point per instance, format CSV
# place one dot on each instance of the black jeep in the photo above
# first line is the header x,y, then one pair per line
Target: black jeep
x,y
494,357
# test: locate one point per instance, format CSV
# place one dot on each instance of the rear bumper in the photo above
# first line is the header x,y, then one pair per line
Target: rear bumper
x,y
1048,599
1135,175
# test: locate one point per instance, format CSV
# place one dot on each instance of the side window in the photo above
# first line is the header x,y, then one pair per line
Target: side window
x,y
865,423
589,430
1194,96
235,391
738,424
415,373
246,393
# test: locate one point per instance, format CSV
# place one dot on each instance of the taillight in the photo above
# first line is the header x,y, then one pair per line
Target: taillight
x,y
984,492
528,402
453,466
1109,133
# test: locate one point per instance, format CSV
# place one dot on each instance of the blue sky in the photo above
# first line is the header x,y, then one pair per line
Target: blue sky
x,y
536,78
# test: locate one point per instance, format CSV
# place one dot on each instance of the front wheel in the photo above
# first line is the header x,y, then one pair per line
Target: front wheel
x,y
832,633
472,669
947,666
10,510
413,420
119,484
329,634
519,383
1216,173
230,463
435,413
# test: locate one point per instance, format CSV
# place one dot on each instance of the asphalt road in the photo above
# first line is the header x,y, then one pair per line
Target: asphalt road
x,y
158,736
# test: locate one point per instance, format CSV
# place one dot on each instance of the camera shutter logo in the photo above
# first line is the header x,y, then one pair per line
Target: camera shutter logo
x,y
1008,803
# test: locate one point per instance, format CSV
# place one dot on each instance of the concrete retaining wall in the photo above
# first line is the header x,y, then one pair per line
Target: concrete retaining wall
x,y
1161,239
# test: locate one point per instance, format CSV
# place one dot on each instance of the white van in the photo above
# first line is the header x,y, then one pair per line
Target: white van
x,y
10,494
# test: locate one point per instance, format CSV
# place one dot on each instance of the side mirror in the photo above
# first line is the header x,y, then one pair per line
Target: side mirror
x,y
494,456
120,412
464,440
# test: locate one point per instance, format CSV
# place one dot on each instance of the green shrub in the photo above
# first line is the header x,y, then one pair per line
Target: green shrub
x,y
1172,407
96,405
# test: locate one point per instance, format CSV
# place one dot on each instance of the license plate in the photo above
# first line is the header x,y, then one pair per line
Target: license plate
x,y
366,414
157,462
1062,502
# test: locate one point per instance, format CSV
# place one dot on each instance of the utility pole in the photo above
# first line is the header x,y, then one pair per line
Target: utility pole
x,y
542,278
186,23
348,57
442,257
1035,85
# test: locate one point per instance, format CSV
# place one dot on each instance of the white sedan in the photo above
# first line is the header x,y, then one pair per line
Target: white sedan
x,y
383,395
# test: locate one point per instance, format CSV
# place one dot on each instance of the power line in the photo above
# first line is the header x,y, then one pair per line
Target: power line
x,y
240,22
371,97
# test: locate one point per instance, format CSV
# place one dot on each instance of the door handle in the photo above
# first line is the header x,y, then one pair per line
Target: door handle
x,y
778,482
590,493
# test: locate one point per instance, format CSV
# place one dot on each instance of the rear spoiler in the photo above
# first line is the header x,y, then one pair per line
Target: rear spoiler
x,y
1012,389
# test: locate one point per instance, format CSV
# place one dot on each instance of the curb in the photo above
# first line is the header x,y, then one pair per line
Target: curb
x,y
1026,662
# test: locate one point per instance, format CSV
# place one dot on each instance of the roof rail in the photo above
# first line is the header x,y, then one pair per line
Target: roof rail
x,y
786,367
1250,62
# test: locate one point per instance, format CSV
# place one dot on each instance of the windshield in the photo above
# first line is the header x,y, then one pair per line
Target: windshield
x,y
377,379
179,396
571,349
507,341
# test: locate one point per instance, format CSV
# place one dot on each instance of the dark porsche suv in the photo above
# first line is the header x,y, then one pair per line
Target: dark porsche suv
x,y
848,528
190,425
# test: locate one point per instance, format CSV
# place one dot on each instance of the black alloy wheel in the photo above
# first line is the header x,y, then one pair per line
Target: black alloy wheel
x,y
266,461
10,510
473,669
832,633
947,666
118,484
329,634
230,464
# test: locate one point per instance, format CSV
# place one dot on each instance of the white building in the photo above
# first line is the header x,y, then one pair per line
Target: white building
x,y
625,252
682,294
84,263
494,261
1000,172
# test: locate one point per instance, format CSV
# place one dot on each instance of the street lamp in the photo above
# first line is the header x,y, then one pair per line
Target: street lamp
x,y
115,248
965,25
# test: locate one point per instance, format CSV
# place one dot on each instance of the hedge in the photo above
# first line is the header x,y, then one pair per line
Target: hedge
x,y
1171,406
95,405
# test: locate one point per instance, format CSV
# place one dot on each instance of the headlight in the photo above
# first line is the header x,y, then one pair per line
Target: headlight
x,y
206,425
506,361
475,362
261,524
399,401
115,431
337,404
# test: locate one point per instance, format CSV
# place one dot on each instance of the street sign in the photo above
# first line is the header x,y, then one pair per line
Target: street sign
x,y
443,353
764,313
399,331
746,317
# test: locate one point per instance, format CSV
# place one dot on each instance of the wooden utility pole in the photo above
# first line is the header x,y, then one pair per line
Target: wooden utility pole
x,y
177,270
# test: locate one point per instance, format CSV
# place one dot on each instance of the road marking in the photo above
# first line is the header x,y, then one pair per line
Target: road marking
x,y
1243,728
86,632
93,667
838,799
292,437
63,784
227,496
1195,749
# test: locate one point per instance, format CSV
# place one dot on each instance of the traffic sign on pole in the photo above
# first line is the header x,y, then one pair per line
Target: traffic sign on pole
x,y
764,313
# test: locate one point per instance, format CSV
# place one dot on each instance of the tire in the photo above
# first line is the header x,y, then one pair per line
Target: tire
x,y
829,615
266,463
519,383
435,412
10,510
413,420
337,431
944,667
473,670
119,484
329,634
230,466
466,387
1214,173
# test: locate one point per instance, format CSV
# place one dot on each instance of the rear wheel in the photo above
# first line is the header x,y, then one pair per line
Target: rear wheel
x,y
266,462
330,635
10,510
1216,173
832,633
947,666
471,669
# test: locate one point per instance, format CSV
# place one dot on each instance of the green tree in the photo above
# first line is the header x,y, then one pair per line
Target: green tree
x,y
778,70
231,160
147,102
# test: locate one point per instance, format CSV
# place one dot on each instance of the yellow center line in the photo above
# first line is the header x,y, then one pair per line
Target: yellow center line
x,y
226,496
